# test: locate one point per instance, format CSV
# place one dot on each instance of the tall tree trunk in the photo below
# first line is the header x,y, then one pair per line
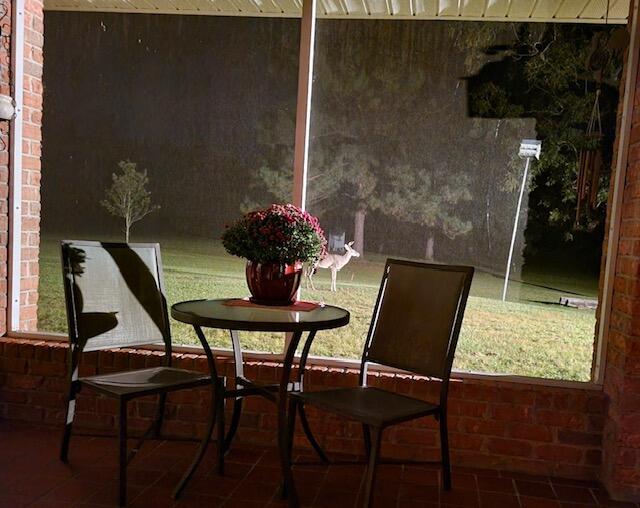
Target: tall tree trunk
x,y
358,240
428,254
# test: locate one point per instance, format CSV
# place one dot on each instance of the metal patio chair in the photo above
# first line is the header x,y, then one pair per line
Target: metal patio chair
x,y
114,298
415,327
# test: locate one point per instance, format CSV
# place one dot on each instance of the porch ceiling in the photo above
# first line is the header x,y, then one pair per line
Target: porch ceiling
x,y
582,11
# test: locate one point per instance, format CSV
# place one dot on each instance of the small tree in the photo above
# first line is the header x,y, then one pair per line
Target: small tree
x,y
128,196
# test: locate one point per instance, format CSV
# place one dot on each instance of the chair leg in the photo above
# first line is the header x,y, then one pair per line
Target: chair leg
x,y
203,446
153,431
157,425
122,438
366,434
444,447
376,435
220,441
310,437
68,424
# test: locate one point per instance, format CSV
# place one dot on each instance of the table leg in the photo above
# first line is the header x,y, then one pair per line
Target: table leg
x,y
215,406
237,403
283,421
303,415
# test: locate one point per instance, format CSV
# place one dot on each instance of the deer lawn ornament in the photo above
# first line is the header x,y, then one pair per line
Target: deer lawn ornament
x,y
334,262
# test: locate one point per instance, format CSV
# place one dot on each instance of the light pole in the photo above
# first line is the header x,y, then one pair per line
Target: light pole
x,y
529,148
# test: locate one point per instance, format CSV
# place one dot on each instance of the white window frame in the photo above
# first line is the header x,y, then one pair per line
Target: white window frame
x,y
305,81
14,257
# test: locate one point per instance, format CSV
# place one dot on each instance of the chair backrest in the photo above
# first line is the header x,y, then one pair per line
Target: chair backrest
x,y
417,317
114,295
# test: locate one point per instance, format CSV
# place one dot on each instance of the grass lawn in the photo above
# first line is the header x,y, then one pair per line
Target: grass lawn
x,y
528,335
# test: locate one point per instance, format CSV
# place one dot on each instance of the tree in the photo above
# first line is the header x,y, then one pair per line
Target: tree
x,y
431,199
546,72
128,197
353,136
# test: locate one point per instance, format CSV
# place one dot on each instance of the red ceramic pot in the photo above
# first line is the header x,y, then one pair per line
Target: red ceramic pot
x,y
273,283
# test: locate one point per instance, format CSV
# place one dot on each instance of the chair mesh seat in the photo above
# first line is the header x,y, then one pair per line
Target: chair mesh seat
x,y
136,381
372,406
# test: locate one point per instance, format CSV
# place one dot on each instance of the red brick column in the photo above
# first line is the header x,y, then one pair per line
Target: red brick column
x,y
31,146
621,439
31,150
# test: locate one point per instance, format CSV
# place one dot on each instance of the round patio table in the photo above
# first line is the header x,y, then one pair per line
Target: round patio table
x,y
235,316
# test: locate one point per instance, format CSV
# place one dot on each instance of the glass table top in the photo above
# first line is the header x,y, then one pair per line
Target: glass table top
x,y
219,314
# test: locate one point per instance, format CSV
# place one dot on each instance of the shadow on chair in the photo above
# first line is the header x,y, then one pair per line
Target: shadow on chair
x,y
114,298
415,327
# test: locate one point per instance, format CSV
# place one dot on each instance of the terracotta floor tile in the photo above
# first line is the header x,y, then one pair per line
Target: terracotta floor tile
x,y
496,484
416,504
575,482
332,499
307,493
604,500
464,481
524,476
415,492
386,489
498,499
199,501
32,476
253,491
384,502
13,501
574,494
421,476
618,504
538,502
108,494
336,480
50,504
459,497
264,474
33,487
244,455
74,490
219,486
390,472
231,503
154,496
474,470
535,489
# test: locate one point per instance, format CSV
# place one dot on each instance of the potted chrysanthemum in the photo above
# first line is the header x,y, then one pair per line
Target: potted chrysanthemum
x,y
275,242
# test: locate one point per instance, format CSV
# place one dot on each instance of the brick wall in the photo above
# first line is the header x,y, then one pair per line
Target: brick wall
x,y
31,146
534,429
32,121
621,444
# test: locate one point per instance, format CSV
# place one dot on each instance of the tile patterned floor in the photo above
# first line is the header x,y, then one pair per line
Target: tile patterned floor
x,y
31,475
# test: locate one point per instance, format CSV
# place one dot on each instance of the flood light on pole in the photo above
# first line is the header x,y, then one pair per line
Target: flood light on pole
x,y
529,148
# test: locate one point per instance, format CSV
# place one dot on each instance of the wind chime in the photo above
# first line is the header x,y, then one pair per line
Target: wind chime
x,y
590,163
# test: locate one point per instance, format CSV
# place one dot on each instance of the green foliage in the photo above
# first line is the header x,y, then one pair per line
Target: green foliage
x,y
428,198
544,74
128,197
